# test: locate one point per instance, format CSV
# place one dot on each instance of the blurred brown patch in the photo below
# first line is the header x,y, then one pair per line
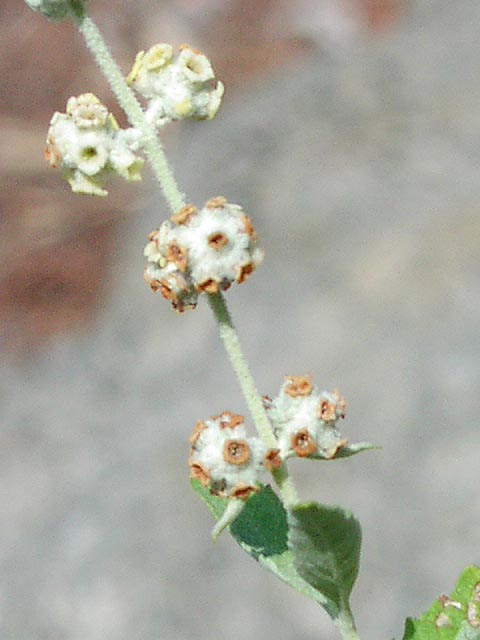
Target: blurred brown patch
x,y
381,14
52,290
53,244
55,250
252,37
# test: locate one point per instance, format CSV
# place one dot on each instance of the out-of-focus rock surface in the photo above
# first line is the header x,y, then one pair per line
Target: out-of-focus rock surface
x,y
362,173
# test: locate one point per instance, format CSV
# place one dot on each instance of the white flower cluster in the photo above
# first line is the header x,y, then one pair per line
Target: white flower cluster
x,y
304,419
223,458
53,9
228,462
175,88
89,146
201,251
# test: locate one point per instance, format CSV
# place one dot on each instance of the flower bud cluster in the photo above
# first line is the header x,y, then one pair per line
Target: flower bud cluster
x,y
223,458
201,251
304,419
53,9
88,144
176,88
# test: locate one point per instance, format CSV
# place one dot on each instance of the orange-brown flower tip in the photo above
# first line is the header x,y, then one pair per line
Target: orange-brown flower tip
x,y
329,410
184,215
298,386
272,460
197,472
180,307
197,430
243,491
209,286
52,154
153,284
229,420
178,255
303,444
236,452
218,202
326,411
184,46
166,291
152,234
248,227
217,241
244,272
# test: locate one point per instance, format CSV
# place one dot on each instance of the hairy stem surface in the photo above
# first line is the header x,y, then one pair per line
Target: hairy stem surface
x,y
253,399
346,626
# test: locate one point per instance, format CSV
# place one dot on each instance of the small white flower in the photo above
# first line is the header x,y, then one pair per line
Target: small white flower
x,y
194,65
87,111
176,89
88,152
124,162
88,145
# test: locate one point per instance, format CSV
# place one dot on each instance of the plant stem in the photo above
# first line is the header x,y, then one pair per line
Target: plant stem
x,y
231,343
346,625
155,154
129,103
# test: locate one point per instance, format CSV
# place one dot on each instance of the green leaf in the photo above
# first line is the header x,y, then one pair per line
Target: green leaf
x,y
455,617
325,543
261,530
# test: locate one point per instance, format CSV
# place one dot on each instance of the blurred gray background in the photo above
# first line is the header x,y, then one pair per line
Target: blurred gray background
x,y
359,162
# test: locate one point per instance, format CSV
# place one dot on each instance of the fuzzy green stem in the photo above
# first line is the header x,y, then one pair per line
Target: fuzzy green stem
x,y
231,343
346,625
155,154
129,103
175,199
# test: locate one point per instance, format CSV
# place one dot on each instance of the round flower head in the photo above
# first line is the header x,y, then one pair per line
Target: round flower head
x,y
53,9
176,88
201,251
88,144
304,419
223,458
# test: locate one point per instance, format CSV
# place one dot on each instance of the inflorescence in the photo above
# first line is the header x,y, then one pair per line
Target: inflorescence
x,y
224,458
89,146
176,88
229,463
304,419
202,251
194,252
87,142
